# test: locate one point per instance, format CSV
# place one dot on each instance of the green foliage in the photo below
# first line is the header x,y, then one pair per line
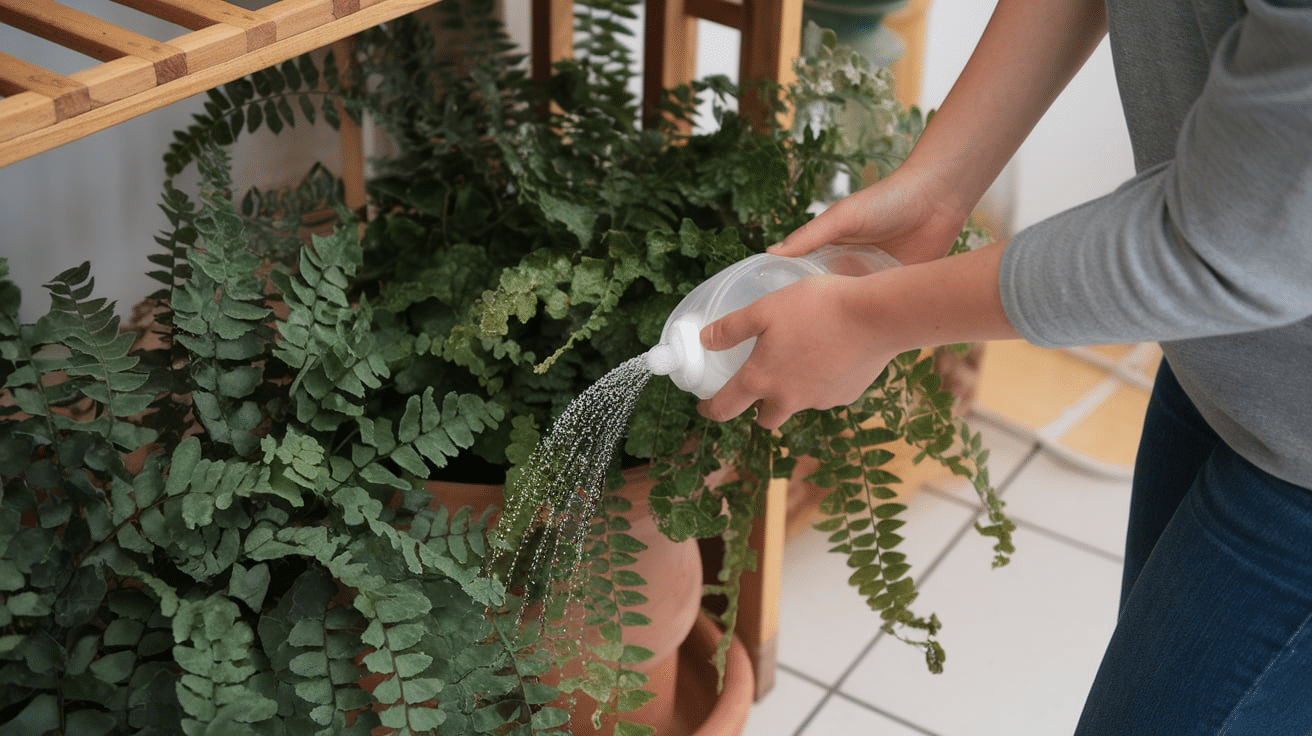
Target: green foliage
x,y
220,527
255,564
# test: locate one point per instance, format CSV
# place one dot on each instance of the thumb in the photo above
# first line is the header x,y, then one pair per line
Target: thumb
x,y
731,329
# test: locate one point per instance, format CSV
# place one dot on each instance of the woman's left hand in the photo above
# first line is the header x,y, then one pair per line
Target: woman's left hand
x,y
821,342
813,350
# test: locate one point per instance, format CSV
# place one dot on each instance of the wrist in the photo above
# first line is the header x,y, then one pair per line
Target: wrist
x,y
950,300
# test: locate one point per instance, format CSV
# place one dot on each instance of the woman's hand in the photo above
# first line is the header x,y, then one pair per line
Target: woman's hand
x,y
821,341
813,350
901,214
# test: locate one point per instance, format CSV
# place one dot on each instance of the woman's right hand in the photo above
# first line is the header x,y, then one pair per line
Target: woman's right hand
x,y
1028,53
899,214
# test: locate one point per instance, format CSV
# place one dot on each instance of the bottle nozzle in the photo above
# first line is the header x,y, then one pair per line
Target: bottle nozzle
x,y
663,359
681,356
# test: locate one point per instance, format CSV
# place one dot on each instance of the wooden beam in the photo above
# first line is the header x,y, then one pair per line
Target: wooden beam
x,y
67,95
197,14
92,36
725,12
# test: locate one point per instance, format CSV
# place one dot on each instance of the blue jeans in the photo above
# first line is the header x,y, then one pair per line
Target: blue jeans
x,y
1215,628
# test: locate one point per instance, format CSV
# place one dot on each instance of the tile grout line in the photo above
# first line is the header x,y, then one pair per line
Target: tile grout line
x,y
1070,541
834,689
1036,448
867,706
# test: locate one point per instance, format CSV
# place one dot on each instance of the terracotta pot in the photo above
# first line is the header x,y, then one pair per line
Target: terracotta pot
x,y
674,581
453,495
673,571
703,711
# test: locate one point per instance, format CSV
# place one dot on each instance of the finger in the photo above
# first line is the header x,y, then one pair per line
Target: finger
x,y
771,415
731,329
826,228
724,405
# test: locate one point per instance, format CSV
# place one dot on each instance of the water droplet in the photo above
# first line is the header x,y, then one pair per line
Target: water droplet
x,y
553,503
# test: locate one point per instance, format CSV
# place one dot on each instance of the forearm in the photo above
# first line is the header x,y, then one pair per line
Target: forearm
x,y
821,341
1028,53
950,300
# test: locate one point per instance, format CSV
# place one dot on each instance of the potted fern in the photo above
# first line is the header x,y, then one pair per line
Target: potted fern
x,y
273,561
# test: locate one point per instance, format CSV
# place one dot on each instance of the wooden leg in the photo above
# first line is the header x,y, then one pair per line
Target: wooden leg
x,y
772,39
758,600
910,24
669,52
552,35
352,138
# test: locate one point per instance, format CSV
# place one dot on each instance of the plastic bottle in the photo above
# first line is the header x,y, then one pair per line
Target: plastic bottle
x,y
703,372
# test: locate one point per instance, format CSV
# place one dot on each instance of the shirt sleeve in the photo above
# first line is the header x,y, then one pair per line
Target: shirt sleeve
x,y
1217,240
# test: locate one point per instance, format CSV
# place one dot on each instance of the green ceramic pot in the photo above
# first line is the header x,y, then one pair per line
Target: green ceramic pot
x,y
860,25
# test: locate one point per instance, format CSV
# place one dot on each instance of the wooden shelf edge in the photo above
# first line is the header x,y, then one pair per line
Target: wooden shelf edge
x,y
371,13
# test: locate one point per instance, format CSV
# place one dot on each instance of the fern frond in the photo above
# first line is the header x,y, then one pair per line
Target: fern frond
x,y
220,317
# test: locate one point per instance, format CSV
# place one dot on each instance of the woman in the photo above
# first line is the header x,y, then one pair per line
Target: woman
x,y
1208,250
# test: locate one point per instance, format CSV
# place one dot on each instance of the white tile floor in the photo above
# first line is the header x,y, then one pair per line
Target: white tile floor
x,y
1023,641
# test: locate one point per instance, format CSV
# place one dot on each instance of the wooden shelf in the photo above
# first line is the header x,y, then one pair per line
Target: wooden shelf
x,y
41,110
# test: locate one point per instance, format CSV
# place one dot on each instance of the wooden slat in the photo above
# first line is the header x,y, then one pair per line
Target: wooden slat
x,y
90,35
198,14
552,36
725,12
212,46
314,19
669,52
294,17
25,113
115,80
68,96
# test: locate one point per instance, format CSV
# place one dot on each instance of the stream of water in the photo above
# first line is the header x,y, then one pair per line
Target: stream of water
x,y
558,496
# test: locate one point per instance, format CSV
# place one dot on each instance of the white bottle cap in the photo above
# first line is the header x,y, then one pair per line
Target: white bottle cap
x,y
682,357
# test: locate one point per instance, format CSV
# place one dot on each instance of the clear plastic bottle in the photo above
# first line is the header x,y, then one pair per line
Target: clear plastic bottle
x,y
703,372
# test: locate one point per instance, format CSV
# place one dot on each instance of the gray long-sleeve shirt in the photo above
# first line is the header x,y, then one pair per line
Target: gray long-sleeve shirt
x,y
1209,248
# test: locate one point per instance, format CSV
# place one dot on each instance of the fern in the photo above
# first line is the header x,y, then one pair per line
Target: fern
x,y
264,99
267,561
312,643
219,316
89,383
604,599
224,682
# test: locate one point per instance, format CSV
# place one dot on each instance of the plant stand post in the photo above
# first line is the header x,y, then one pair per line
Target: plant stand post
x,y
552,35
771,37
911,25
758,599
670,54
352,136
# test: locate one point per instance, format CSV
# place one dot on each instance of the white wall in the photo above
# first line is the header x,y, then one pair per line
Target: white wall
x,y
93,199
1078,151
